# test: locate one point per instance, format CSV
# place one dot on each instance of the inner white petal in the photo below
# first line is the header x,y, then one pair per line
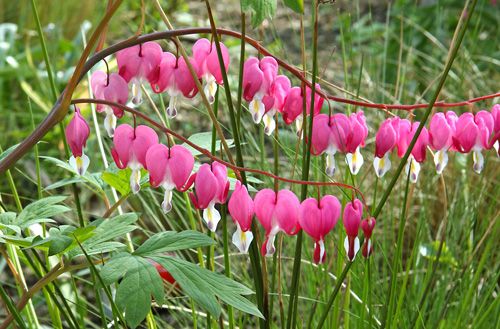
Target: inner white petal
x,y
136,92
330,164
210,89
172,106
355,161
440,160
478,159
211,216
166,205
135,180
79,164
257,109
110,122
242,240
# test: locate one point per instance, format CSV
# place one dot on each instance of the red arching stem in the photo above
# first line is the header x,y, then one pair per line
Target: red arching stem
x,y
107,71
210,155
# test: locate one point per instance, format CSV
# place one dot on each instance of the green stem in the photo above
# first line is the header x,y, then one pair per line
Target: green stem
x,y
240,70
306,158
227,260
12,308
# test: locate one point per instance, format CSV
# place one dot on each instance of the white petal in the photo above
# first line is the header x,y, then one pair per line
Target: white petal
x,y
79,164
172,106
242,240
269,123
210,89
136,92
496,146
270,249
440,160
478,158
110,123
166,205
330,164
257,109
413,169
356,247
355,161
298,125
321,251
382,165
211,216
135,180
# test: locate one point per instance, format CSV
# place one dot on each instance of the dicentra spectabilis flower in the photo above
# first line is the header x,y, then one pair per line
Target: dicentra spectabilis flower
x,y
495,112
173,75
385,141
276,212
258,77
136,63
241,208
441,131
205,55
474,133
211,187
274,102
77,132
367,225
111,88
353,212
294,105
130,148
340,133
317,220
418,153
169,168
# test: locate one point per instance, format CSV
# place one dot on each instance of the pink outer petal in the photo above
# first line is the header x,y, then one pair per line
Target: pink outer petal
x,y
287,212
292,107
269,67
279,91
184,80
165,75
252,78
404,131
122,140
356,135
495,112
486,124
206,186
385,139
318,220
241,207
440,132
139,61
340,132
213,64
419,151
158,163
220,172
116,91
351,219
264,204
145,137
318,100
466,133
151,52
201,50
367,225
320,134
181,165
77,132
128,62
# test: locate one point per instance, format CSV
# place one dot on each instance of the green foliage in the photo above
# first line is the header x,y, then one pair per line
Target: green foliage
x,y
140,280
120,179
260,9
295,5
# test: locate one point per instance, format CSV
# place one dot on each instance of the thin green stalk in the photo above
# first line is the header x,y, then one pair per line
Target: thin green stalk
x,y
259,280
240,70
227,260
12,308
388,305
292,307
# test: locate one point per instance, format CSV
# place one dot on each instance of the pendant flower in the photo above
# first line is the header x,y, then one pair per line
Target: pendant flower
x,y
418,153
173,75
474,133
205,55
211,187
111,88
441,131
367,225
385,141
294,104
258,77
136,63
169,168
340,133
241,208
274,102
317,219
77,132
495,112
353,212
130,148
276,212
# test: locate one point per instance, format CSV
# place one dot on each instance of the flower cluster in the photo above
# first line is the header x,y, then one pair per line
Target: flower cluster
x,y
170,167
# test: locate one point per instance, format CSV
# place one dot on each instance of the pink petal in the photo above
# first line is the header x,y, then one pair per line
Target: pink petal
x,y
77,132
181,163
264,204
206,186
286,212
241,207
